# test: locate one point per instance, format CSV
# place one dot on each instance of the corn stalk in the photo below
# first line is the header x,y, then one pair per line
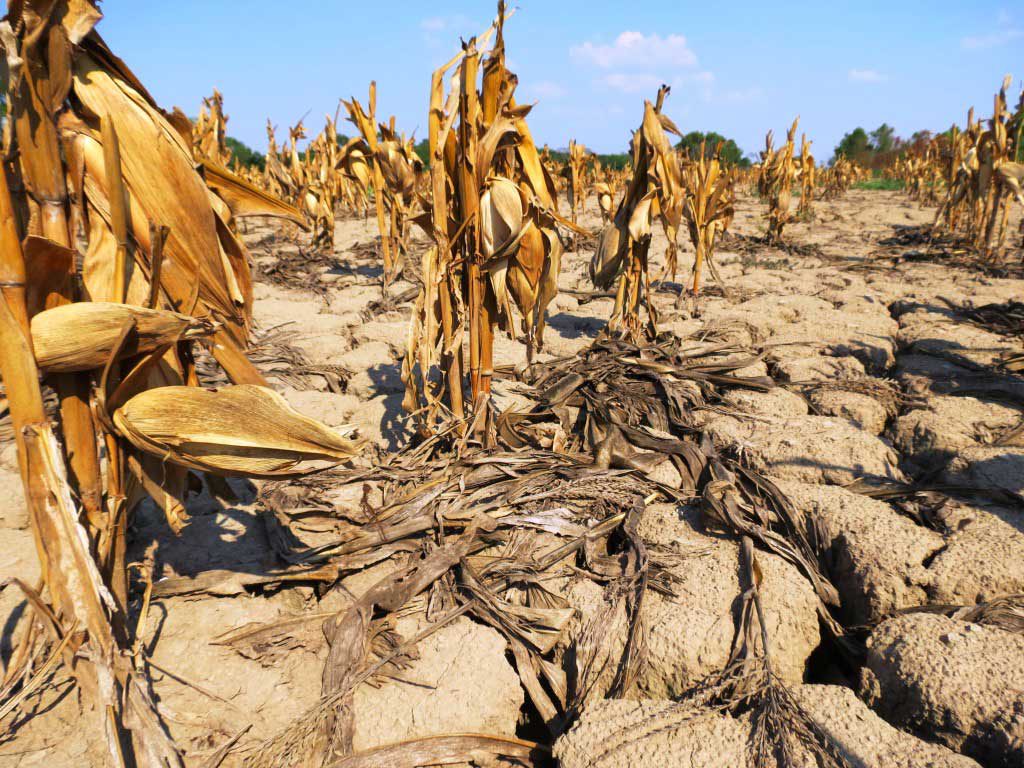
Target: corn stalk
x,y
778,172
365,122
655,189
807,174
396,171
985,174
709,207
492,218
575,176
209,134
162,268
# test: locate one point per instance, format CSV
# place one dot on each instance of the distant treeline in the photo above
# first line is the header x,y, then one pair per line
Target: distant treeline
x,y
879,148
731,153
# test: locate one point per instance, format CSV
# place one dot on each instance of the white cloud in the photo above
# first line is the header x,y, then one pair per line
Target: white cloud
x,y
994,40
742,95
636,82
1006,32
545,89
866,76
636,63
635,50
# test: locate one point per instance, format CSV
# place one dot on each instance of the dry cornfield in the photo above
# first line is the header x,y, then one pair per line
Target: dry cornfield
x,y
333,456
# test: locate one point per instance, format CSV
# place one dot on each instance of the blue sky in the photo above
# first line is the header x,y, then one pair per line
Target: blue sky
x,y
739,68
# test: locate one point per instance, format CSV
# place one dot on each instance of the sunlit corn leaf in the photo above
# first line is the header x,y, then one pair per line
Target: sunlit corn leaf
x,y
241,430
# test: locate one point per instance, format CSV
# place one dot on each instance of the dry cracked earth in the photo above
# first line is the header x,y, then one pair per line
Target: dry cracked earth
x,y
880,377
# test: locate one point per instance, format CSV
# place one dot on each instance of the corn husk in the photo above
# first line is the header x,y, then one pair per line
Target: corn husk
x,y
608,258
81,337
241,430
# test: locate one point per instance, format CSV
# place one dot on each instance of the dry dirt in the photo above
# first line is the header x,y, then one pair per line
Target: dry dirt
x,y
880,379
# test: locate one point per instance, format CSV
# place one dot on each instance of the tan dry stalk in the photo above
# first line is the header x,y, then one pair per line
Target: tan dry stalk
x,y
655,189
983,177
400,169
73,583
708,209
808,177
365,123
492,219
162,186
605,198
575,174
778,172
137,197
209,134
42,78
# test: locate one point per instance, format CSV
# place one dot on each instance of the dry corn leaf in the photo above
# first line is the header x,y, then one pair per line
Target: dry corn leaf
x,y
240,430
159,175
245,199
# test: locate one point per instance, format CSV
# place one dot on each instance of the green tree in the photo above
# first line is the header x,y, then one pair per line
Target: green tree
x,y
731,153
854,145
615,161
883,138
422,148
244,155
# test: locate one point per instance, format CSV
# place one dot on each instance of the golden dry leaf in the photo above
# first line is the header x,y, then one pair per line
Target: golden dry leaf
x,y
242,430
160,177
81,337
245,199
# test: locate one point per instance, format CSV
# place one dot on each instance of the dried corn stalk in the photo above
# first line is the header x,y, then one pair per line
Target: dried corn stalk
x,y
209,134
492,219
778,172
307,181
708,208
90,151
986,173
655,189
396,171
605,197
575,173
807,176
839,177
318,190
245,191
354,176
276,178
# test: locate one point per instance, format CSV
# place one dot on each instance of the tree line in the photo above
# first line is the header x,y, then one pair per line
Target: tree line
x,y
878,148
731,153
